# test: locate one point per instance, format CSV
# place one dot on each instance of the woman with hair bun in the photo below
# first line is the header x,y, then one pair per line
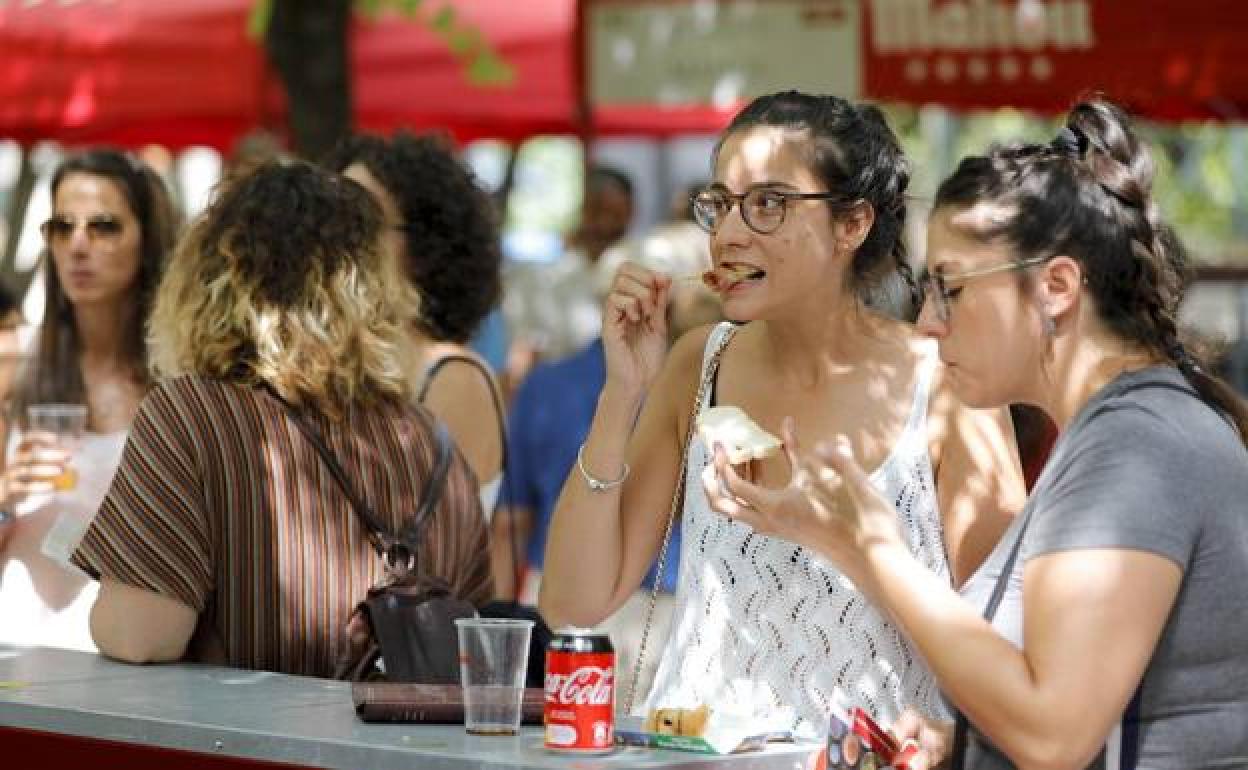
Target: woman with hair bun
x,y
224,537
805,213
1107,628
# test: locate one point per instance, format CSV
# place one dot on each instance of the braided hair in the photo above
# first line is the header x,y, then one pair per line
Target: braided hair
x,y
852,149
1088,195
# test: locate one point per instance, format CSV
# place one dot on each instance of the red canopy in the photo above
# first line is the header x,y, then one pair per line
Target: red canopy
x,y
131,71
182,72
185,72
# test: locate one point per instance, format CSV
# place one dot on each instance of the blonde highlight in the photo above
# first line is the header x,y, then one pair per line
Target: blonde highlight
x,y
333,339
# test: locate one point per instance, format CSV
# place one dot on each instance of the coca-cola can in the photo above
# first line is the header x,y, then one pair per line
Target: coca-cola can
x,y
580,692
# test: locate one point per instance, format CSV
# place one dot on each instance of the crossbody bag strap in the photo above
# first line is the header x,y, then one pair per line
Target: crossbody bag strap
x,y
433,490
705,386
960,726
397,552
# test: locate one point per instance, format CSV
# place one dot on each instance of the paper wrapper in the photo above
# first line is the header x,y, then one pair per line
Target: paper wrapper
x,y
723,733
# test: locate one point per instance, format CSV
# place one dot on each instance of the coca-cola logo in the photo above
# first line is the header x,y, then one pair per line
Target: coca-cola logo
x,y
586,686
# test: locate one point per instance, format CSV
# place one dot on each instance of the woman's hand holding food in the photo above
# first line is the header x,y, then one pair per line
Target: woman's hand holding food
x,y
828,504
634,327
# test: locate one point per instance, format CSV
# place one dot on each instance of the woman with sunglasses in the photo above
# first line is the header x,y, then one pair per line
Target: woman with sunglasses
x,y
805,215
111,227
1107,628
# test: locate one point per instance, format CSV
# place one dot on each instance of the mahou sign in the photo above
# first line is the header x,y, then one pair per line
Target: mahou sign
x,y
1162,58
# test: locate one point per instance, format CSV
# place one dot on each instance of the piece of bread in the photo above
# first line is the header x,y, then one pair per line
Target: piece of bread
x,y
687,722
742,439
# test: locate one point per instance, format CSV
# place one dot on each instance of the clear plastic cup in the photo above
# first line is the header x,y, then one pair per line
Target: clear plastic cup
x,y
493,657
67,422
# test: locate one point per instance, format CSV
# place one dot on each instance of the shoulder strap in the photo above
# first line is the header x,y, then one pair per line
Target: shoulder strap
x,y
922,391
488,375
960,725
716,344
396,550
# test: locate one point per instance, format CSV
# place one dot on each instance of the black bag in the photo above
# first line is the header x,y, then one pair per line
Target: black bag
x,y
406,623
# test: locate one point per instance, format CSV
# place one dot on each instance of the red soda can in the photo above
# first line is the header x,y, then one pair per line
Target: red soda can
x,y
580,692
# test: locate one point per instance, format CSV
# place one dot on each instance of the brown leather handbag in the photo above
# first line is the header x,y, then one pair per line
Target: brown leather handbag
x,y
404,629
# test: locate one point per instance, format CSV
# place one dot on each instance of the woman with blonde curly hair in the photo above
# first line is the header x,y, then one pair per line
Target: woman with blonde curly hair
x,y
224,537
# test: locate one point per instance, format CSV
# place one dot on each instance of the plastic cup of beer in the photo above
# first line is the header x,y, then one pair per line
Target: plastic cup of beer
x,y
493,658
66,422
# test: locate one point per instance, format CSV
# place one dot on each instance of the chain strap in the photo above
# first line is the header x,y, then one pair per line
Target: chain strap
x,y
677,500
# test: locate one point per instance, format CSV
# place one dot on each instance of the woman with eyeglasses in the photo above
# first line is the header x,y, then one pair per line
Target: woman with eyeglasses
x,y
111,227
1107,628
805,215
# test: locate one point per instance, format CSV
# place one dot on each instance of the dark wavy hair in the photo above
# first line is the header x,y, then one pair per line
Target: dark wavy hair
x,y
453,251
1088,195
853,151
56,372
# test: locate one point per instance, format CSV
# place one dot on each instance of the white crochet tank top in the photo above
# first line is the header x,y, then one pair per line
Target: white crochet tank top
x,y
764,622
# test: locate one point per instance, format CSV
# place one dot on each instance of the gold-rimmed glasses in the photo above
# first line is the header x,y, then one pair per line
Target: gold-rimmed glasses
x,y
937,288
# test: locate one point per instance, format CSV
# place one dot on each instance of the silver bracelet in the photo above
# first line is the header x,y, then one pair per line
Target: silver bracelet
x,y
597,484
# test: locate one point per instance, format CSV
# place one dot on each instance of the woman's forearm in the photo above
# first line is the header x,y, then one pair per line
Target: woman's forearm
x,y
987,677
584,545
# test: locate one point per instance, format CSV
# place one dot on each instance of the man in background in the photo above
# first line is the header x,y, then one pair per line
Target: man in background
x,y
555,309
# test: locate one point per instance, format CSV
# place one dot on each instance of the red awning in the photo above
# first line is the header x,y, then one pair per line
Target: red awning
x,y
184,71
131,71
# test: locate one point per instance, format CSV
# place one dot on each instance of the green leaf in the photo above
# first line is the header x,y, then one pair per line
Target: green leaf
x,y
463,41
487,69
369,9
258,19
409,8
444,20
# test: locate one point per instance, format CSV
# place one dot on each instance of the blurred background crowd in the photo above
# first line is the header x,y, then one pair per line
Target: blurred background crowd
x,y
585,126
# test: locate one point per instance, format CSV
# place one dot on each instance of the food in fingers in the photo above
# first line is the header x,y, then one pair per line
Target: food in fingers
x,y
740,436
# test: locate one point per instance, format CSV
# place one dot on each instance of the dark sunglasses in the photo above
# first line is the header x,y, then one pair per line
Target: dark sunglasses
x,y
104,227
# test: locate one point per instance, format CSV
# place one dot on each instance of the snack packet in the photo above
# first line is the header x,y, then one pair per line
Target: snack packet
x,y
856,742
702,729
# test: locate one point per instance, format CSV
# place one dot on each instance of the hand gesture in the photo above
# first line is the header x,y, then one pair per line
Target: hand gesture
x,y
828,505
787,512
634,326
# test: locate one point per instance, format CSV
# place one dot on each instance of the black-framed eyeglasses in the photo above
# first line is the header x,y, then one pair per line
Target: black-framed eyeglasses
x,y
762,208
59,229
936,286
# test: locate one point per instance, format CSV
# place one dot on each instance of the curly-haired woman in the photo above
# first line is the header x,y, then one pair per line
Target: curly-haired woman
x,y
442,226
223,537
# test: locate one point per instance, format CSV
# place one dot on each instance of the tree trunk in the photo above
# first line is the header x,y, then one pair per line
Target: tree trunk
x,y
19,203
307,45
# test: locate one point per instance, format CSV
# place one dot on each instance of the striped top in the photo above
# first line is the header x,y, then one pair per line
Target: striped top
x,y
221,503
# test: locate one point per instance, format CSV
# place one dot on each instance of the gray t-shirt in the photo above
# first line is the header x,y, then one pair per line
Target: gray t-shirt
x,y
1147,465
